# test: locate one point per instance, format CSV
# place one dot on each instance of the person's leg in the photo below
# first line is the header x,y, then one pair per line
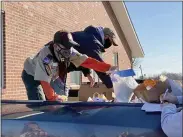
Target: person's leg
x,y
59,86
33,88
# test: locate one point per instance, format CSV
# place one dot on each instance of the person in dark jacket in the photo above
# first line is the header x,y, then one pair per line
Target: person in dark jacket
x,y
93,41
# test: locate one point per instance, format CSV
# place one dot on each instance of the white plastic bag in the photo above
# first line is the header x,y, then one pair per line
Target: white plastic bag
x,y
123,87
90,99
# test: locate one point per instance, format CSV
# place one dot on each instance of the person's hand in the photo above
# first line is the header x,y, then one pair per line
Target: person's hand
x,y
169,97
167,104
112,70
164,104
61,98
179,109
113,95
58,98
171,105
92,82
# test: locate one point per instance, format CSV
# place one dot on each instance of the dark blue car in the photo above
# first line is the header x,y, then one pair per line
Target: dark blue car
x,y
78,119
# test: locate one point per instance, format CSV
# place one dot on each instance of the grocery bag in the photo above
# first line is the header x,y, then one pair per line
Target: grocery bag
x,y
123,84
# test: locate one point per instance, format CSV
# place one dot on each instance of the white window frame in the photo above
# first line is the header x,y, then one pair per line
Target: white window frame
x,y
75,78
94,74
116,59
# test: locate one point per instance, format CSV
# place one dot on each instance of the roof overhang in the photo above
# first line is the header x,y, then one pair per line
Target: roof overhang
x,y
126,25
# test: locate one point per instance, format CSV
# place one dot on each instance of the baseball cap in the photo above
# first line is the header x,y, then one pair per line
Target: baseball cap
x,y
110,33
64,38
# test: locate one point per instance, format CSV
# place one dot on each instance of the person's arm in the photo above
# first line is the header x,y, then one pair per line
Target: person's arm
x,y
96,65
179,99
171,121
83,60
104,77
85,71
171,98
106,80
78,59
48,90
42,75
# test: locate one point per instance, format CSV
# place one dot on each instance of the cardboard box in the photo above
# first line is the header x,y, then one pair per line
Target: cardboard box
x,y
86,91
152,95
73,98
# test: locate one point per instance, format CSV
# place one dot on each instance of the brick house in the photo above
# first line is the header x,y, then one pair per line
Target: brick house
x,y
27,26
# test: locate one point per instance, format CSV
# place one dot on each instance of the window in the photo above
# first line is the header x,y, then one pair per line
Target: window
x,y
1,51
75,77
94,74
115,59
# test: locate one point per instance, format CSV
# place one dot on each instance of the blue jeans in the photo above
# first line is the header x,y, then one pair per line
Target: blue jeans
x,y
58,86
33,87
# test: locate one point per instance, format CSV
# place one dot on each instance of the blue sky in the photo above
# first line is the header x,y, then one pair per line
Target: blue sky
x,y
159,29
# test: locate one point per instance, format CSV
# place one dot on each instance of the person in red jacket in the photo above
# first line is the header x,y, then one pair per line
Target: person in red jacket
x,y
51,62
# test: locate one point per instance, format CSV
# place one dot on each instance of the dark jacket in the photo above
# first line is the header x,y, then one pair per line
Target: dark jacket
x,y
91,42
72,67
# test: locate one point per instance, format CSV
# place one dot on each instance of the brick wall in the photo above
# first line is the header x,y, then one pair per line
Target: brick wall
x,y
29,25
